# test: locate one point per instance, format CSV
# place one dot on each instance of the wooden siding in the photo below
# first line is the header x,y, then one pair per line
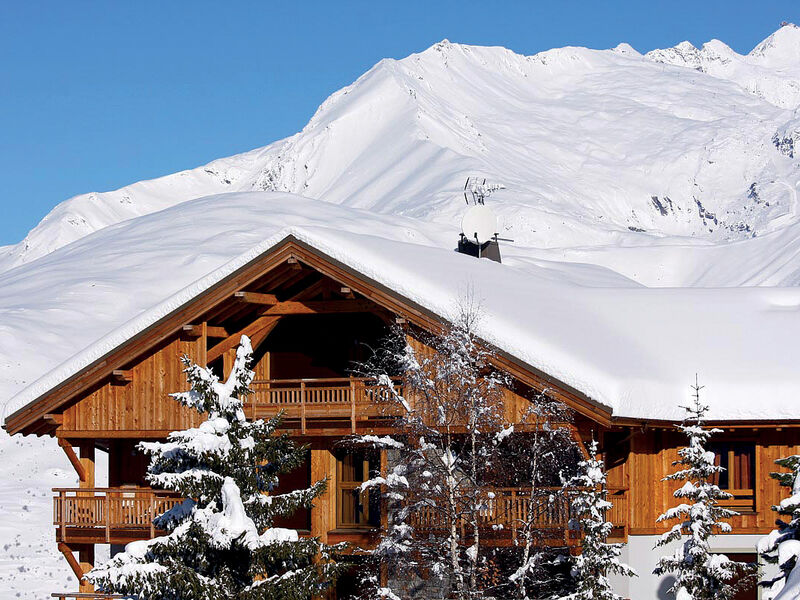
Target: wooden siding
x,y
143,404
650,459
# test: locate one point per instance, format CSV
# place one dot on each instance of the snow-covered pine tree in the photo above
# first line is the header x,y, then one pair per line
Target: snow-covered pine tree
x,y
782,546
598,558
222,542
700,575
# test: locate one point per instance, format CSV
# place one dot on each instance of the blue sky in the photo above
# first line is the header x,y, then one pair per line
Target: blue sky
x,y
95,95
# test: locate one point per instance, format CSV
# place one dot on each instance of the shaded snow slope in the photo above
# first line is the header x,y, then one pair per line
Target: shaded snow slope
x,y
630,348
598,149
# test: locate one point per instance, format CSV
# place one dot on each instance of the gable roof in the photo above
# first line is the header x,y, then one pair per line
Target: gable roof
x,y
631,352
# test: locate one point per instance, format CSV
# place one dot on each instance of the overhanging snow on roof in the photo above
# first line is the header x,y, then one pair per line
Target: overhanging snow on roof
x,y
632,349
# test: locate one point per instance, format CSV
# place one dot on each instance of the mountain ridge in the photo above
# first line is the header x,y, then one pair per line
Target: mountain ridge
x,y
597,148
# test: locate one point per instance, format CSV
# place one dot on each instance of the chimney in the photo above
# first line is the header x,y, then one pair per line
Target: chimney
x,y
490,249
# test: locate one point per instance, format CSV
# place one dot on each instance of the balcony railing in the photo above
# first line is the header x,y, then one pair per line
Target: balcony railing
x,y
110,514
84,596
506,509
103,512
351,398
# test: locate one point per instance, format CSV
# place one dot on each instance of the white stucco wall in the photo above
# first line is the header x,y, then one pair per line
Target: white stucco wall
x,y
640,554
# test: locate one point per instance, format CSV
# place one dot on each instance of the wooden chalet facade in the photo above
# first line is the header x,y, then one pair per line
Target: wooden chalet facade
x,y
310,318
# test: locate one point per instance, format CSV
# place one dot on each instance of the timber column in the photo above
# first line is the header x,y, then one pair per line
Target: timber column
x,y
86,551
323,466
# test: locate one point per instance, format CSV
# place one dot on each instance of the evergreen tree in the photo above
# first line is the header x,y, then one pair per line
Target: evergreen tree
x,y
700,575
598,558
221,541
782,546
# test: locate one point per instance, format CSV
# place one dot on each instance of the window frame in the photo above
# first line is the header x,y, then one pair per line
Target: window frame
x,y
744,499
350,486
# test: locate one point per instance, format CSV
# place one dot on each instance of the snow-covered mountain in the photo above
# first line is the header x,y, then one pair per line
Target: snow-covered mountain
x,y
771,70
678,155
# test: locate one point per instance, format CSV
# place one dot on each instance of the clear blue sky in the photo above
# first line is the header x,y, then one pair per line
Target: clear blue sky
x,y
96,95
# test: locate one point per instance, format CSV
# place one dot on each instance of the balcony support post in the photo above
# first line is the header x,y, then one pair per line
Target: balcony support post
x,y
352,404
152,515
107,515
86,558
87,462
323,466
302,407
62,498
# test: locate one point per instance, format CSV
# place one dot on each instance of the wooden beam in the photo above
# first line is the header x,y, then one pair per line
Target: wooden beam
x,y
86,562
137,434
232,340
196,331
256,298
312,290
54,418
122,376
294,263
71,560
259,336
73,459
192,331
315,307
346,291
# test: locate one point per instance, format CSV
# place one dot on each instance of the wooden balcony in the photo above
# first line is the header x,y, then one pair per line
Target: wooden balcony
x,y
84,596
122,515
108,515
507,508
348,400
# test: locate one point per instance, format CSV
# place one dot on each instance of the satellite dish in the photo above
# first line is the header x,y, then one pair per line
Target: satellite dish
x,y
479,224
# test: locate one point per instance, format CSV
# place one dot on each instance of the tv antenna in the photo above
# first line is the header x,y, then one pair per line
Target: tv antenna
x,y
479,190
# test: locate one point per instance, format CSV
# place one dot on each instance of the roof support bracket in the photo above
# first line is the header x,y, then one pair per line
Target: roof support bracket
x,y
73,459
71,561
122,376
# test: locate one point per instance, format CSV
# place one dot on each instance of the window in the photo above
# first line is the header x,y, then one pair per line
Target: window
x,y
738,479
355,508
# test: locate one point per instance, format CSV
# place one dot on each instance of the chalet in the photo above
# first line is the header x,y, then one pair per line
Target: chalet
x,y
313,299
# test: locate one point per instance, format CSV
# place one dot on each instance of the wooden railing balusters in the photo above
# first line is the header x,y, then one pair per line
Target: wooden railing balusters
x,y
108,510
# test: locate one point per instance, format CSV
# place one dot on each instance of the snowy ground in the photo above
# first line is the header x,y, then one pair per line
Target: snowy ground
x,y
31,566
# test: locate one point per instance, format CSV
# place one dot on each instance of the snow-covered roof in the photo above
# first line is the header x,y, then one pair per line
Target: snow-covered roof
x,y
632,349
